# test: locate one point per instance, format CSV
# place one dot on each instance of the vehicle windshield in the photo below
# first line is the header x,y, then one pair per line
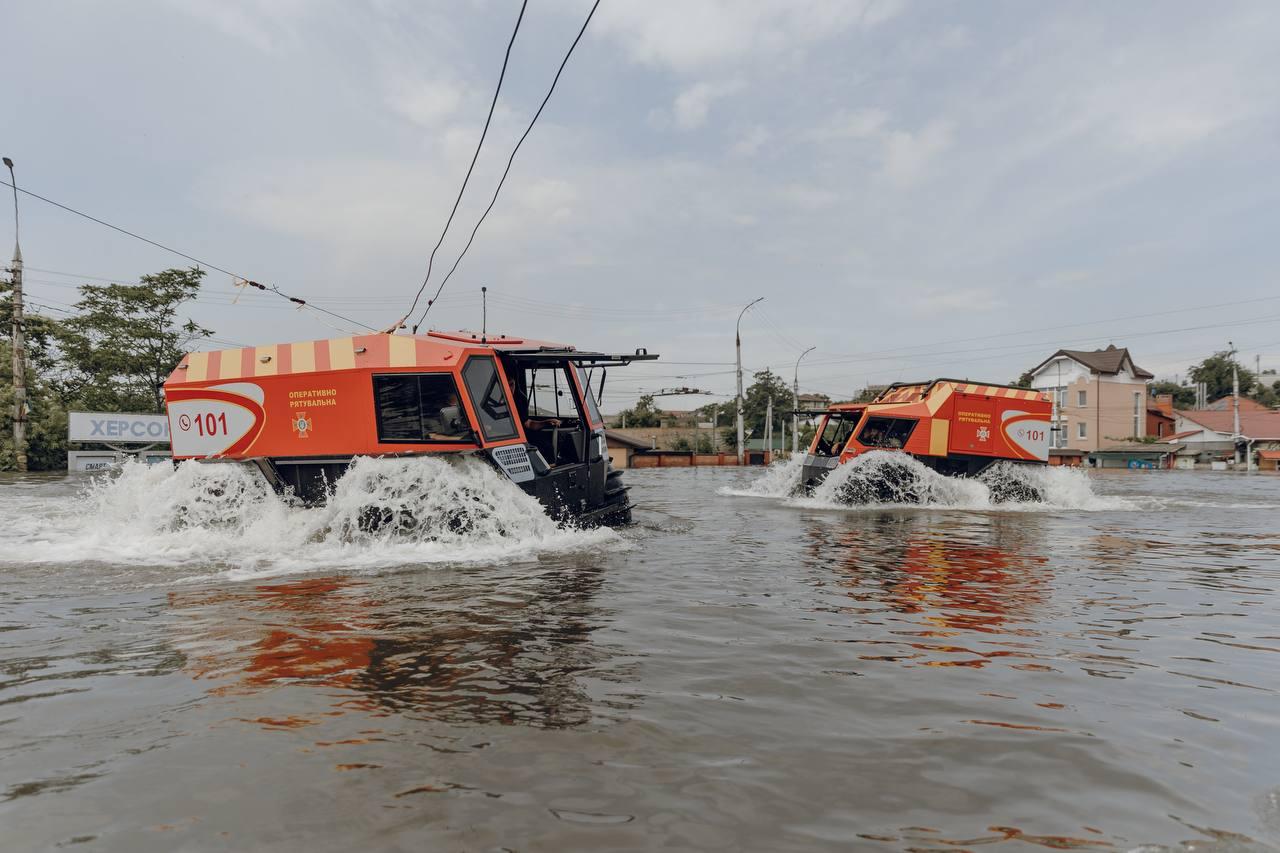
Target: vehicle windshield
x,y
836,431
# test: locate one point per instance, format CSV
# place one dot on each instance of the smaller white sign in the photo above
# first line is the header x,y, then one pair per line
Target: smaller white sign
x,y
108,460
117,428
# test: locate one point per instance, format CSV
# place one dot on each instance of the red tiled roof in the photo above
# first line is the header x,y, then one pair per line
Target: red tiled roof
x,y
1269,454
1265,424
1179,435
1223,404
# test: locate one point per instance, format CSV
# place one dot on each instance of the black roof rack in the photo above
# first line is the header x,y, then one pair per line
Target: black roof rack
x,y
550,355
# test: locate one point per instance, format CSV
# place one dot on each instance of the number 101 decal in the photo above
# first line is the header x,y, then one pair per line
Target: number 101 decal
x,y
1027,434
216,420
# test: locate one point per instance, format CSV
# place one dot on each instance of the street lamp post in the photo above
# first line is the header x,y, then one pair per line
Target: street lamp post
x,y
19,349
737,336
795,403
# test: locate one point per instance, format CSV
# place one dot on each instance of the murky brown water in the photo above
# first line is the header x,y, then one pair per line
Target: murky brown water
x,y
735,673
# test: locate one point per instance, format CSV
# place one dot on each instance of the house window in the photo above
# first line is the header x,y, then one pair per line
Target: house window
x,y
1137,415
1082,398
1082,428
1060,434
1059,397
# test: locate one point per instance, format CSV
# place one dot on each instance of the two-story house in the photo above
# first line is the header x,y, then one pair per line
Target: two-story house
x,y
1099,397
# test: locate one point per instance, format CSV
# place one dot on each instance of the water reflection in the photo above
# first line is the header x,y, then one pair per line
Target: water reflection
x,y
457,648
945,577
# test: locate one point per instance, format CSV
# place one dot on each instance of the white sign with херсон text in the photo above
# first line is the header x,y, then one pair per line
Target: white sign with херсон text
x,y
117,428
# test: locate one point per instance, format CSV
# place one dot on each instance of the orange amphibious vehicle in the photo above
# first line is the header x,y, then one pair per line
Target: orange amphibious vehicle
x,y
302,412
955,427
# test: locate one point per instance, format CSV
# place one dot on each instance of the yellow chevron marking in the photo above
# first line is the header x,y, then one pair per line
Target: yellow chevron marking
x,y
342,354
939,432
939,396
229,367
303,357
197,367
403,352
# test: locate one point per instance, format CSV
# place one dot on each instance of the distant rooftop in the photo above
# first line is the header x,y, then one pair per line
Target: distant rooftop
x,y
1109,361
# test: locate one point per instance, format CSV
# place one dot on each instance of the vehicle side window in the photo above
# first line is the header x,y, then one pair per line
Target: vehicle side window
x,y
593,410
489,398
886,432
836,429
415,407
550,394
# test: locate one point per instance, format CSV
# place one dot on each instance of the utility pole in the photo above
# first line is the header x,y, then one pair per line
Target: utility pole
x,y
768,427
1235,404
795,403
19,348
737,338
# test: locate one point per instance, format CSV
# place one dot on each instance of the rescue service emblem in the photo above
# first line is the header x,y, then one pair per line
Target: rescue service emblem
x,y
302,425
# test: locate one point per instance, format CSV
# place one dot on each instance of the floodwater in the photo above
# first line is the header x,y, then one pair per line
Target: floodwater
x,y
190,665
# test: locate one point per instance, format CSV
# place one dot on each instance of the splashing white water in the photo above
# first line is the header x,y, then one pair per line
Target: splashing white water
x,y
226,516
882,478
779,480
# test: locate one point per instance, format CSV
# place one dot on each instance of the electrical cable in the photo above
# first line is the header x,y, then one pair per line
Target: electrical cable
x,y
483,133
510,161
302,303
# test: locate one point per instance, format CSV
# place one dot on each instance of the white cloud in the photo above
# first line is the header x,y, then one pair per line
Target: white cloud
x,y
947,300
699,34
851,124
808,197
424,102
692,105
909,157
751,142
262,24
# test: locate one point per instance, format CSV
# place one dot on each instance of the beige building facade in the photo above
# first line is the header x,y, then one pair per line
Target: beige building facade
x,y
1099,397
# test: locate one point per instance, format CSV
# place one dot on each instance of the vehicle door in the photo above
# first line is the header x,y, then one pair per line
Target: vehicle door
x,y
556,425
597,453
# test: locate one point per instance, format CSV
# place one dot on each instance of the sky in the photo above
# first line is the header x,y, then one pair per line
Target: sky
x,y
917,189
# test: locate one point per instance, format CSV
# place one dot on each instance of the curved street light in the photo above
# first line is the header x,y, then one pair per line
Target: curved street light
x,y
737,337
795,402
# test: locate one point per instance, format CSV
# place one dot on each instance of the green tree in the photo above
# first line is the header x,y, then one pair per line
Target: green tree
x,y
1215,372
767,385
1267,395
125,340
46,411
866,395
643,414
1183,397
755,406
1023,381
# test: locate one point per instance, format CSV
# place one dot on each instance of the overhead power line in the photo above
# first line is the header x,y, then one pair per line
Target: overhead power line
x,y
301,303
462,189
510,160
